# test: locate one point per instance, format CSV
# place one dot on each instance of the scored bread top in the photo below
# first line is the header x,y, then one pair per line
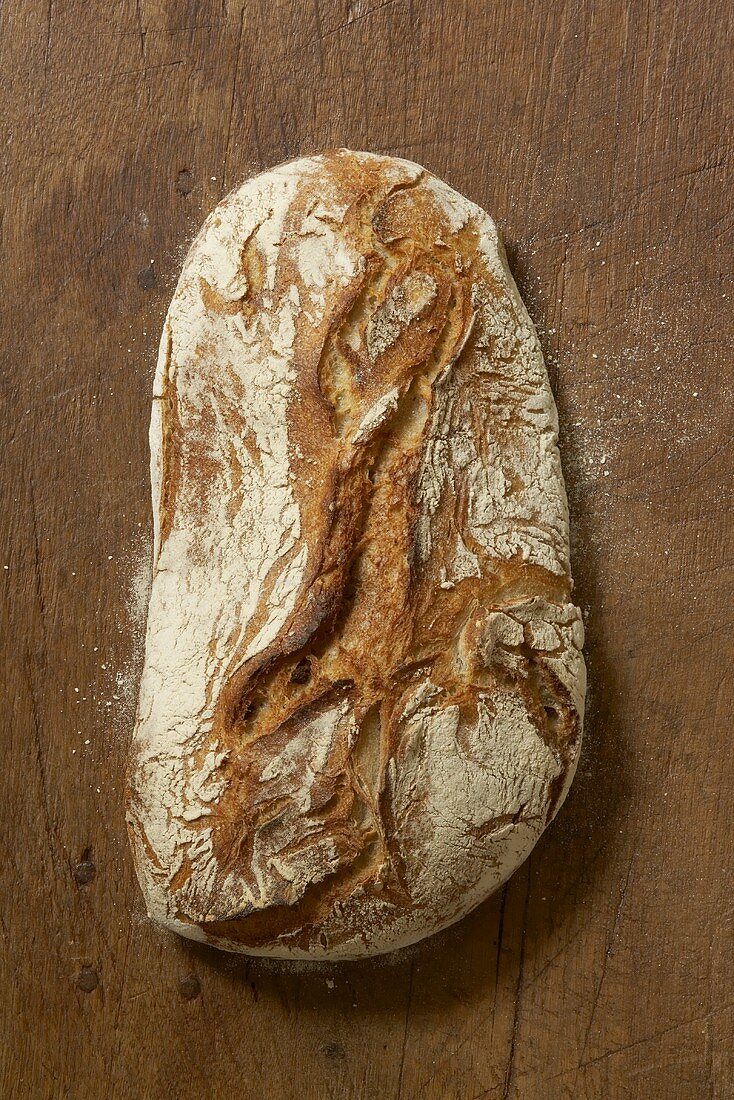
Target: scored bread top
x,y
363,686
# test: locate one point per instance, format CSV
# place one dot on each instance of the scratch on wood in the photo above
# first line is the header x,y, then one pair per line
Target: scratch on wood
x,y
513,1040
607,956
658,1035
497,966
141,29
140,993
145,69
283,135
49,28
363,15
116,1054
37,740
319,31
500,930
320,38
695,175
40,313
711,1014
232,97
221,1030
405,1031
556,954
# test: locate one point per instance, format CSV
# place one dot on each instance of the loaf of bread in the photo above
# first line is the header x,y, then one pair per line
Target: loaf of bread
x,y
363,686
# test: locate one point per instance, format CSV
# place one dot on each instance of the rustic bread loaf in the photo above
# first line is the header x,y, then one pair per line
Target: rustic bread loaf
x,y
363,686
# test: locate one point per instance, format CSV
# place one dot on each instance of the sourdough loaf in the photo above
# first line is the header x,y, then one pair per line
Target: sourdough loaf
x,y
363,686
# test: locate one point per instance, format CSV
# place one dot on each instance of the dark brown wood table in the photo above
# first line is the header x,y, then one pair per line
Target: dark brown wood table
x,y
598,134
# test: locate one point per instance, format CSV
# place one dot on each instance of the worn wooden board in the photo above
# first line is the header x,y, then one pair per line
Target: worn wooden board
x,y
597,135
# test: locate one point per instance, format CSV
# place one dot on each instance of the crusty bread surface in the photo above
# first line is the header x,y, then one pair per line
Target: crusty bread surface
x,y
363,687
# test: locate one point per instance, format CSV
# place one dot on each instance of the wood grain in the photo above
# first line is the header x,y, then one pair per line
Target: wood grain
x,y
599,136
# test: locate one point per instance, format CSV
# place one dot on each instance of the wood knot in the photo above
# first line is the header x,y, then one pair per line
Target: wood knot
x,y
147,277
184,182
334,1050
87,979
85,870
189,987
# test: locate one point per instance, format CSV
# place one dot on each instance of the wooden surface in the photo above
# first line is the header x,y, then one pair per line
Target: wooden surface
x,y
596,133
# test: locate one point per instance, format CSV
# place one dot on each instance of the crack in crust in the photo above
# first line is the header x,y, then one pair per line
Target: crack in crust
x,y
407,727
